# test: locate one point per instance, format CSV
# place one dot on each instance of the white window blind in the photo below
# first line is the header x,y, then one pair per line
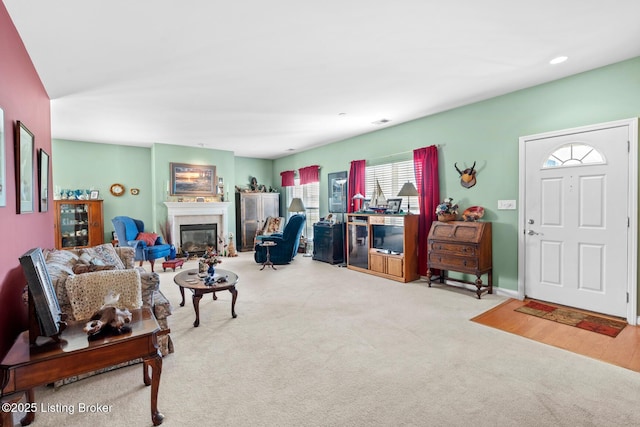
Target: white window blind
x,y
310,195
391,177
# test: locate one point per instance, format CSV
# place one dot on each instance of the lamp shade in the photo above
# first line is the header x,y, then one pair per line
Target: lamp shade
x,y
296,205
408,189
359,196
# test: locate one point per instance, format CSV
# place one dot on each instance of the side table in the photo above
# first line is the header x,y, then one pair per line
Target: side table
x,y
267,262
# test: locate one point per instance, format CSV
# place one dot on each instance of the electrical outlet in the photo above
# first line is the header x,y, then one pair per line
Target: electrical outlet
x,y
506,205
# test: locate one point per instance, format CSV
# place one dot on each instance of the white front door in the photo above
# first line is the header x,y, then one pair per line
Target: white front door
x,y
576,218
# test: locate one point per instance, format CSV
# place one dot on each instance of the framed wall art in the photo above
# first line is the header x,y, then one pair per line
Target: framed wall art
x,y
3,191
192,180
393,205
337,191
24,169
43,180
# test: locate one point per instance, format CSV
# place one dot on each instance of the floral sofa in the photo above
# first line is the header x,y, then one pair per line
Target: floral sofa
x,y
83,277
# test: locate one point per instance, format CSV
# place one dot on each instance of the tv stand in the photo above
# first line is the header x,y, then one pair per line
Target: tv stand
x,y
368,254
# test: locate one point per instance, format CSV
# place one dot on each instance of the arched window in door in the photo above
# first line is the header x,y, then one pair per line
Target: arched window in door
x,y
573,154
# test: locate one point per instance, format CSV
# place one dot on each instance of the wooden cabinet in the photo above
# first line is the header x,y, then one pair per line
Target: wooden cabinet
x,y
252,209
383,245
78,223
328,242
464,247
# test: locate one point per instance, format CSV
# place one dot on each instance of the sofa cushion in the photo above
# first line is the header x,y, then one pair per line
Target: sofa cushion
x,y
87,291
81,268
105,253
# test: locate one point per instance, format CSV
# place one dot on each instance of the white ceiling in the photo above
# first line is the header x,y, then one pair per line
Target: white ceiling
x,y
263,78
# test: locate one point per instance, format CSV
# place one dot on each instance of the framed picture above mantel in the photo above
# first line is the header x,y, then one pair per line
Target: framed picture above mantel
x,y
192,180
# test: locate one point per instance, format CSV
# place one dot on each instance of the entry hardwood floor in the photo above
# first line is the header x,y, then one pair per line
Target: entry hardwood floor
x,y
623,350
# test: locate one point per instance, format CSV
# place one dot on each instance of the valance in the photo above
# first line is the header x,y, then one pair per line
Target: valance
x,y
309,174
288,178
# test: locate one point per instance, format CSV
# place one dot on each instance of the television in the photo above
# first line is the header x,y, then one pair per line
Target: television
x,y
387,238
47,310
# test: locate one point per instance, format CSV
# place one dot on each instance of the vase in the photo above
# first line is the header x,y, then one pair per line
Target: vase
x,y
211,271
447,217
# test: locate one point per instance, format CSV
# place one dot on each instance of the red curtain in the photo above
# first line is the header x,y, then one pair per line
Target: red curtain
x,y
356,184
309,174
288,178
425,165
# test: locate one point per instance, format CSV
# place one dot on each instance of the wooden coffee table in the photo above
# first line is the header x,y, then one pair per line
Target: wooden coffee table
x,y
191,280
25,367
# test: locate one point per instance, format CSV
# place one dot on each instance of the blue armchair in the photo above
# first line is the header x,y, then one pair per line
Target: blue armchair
x,y
128,231
286,243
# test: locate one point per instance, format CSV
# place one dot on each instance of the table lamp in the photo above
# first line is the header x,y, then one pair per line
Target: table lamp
x,y
296,205
408,190
360,197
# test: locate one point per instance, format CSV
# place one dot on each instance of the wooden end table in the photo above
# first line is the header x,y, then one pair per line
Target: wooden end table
x,y
25,367
191,280
267,262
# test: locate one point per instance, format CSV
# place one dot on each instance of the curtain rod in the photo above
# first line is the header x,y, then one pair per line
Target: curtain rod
x,y
398,154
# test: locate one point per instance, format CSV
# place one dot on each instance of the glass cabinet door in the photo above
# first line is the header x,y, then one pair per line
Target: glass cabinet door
x,y
358,245
74,224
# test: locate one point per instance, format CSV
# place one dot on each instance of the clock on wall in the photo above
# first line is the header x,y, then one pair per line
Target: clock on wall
x,y
117,190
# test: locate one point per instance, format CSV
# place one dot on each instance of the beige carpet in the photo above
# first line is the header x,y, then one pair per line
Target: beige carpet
x,y
319,345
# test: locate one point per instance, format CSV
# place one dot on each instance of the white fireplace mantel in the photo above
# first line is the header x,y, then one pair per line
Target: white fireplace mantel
x,y
179,213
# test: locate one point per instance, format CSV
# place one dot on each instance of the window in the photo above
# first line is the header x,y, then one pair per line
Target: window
x,y
310,195
573,154
391,177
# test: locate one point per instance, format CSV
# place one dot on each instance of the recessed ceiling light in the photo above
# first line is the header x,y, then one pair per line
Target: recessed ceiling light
x,y
291,149
381,122
558,60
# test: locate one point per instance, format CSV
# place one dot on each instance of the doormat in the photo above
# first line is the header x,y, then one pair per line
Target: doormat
x,y
575,318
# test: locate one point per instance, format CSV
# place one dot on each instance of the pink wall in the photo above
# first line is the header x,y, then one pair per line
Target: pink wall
x,y
22,97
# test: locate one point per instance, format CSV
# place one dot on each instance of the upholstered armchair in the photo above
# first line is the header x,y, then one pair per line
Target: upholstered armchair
x,y
147,246
286,243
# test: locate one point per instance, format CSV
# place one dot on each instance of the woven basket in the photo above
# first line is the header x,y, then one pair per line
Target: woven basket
x,y
447,217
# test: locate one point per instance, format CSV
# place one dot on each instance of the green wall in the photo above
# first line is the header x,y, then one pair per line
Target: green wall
x,y
82,165
78,164
488,132
262,169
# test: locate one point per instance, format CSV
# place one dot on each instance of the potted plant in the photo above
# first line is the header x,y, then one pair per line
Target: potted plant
x,y
447,210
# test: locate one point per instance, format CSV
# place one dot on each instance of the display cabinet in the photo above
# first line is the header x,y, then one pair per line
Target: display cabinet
x,y
383,245
78,223
252,210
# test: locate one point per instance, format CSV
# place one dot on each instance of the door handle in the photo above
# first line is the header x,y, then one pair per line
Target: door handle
x,y
532,233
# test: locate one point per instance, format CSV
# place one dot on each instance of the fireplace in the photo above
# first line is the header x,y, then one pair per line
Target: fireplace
x,y
195,238
196,213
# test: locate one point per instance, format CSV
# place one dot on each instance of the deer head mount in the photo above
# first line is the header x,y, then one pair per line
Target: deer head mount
x,y
467,176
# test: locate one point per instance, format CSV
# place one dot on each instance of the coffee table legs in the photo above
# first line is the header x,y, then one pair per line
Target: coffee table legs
x,y
197,296
196,306
234,297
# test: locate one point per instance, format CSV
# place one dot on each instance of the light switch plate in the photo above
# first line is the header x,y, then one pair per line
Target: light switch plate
x,y
506,205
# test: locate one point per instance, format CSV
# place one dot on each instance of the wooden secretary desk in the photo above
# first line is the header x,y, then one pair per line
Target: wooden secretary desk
x,y
464,247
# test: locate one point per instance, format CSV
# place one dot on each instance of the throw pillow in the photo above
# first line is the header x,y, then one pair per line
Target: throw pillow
x,y
104,254
148,238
